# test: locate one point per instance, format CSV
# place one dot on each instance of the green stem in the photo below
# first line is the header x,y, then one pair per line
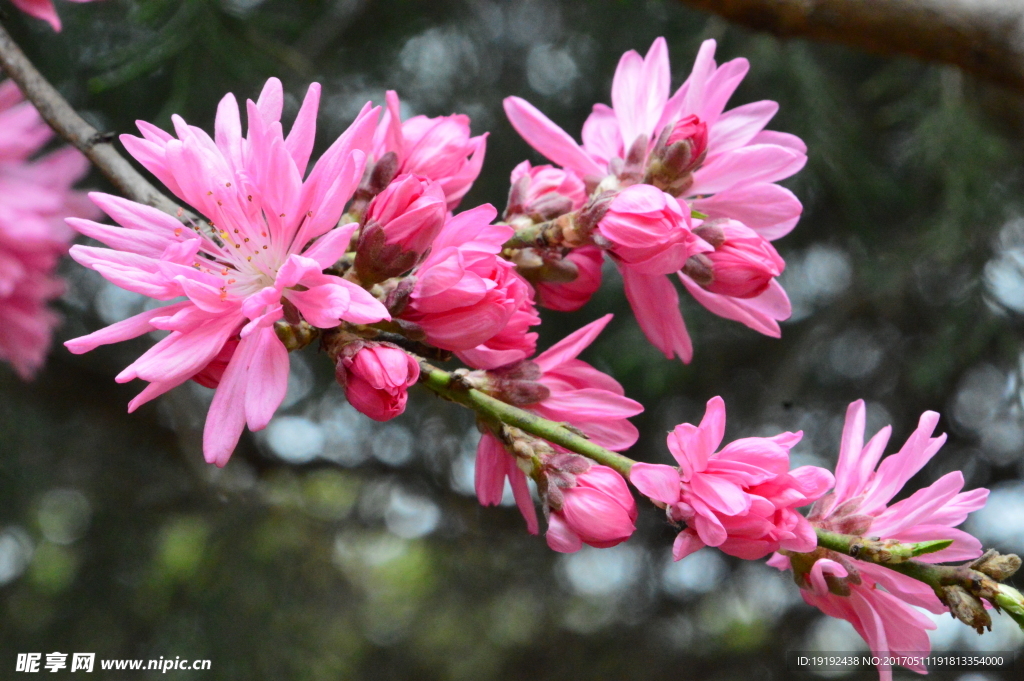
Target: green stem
x,y
446,385
896,556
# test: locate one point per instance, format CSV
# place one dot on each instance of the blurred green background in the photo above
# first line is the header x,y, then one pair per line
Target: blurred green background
x,y
334,547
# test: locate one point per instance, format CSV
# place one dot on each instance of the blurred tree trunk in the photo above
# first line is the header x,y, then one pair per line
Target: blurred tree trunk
x,y
983,37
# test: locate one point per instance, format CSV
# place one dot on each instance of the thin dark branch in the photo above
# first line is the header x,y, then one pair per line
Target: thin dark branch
x,y
97,146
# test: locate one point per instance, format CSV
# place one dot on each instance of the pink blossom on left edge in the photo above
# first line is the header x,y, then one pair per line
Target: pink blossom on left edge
x,y
35,197
275,234
742,499
42,9
880,603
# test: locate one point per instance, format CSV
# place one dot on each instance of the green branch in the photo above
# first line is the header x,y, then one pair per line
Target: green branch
x,y
959,587
448,386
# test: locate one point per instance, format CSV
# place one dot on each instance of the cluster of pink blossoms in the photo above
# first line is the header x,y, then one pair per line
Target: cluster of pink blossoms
x,y
363,251
35,197
882,604
677,185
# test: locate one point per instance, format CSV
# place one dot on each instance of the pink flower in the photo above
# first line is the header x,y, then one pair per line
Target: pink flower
x,y
376,378
571,296
42,9
723,165
876,600
275,236
648,231
544,191
411,211
596,508
465,294
742,499
742,265
439,149
401,223
576,393
512,344
35,197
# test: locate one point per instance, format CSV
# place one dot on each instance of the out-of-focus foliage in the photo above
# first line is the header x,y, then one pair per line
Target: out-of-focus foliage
x,y
333,547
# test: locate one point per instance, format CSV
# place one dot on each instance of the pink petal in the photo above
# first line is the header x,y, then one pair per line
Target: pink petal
x,y
596,516
737,127
267,378
657,481
721,495
132,327
601,136
720,87
226,418
572,345
489,474
329,248
656,305
271,101
850,477
746,165
560,537
768,209
686,542
761,313
521,492
547,138
303,133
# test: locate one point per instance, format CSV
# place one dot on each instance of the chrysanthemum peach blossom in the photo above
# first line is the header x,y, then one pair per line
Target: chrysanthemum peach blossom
x,y
275,234
35,197
876,600
742,499
720,163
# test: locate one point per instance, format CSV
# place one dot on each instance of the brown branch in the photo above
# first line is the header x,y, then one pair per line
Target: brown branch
x,y
56,111
983,37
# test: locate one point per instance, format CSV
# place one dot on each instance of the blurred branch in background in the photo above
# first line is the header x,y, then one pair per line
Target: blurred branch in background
x,y
72,127
983,37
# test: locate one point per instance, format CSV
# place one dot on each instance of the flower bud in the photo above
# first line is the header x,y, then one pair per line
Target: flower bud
x,y
591,506
401,223
966,607
996,565
742,265
376,378
572,295
544,192
680,150
647,229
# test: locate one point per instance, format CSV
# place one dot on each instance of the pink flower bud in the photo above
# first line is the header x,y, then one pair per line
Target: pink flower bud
x,y
544,191
440,149
465,294
648,230
598,511
376,379
411,211
693,131
742,265
572,295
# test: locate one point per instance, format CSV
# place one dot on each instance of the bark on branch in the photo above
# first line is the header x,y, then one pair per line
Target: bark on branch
x,y
56,111
983,37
